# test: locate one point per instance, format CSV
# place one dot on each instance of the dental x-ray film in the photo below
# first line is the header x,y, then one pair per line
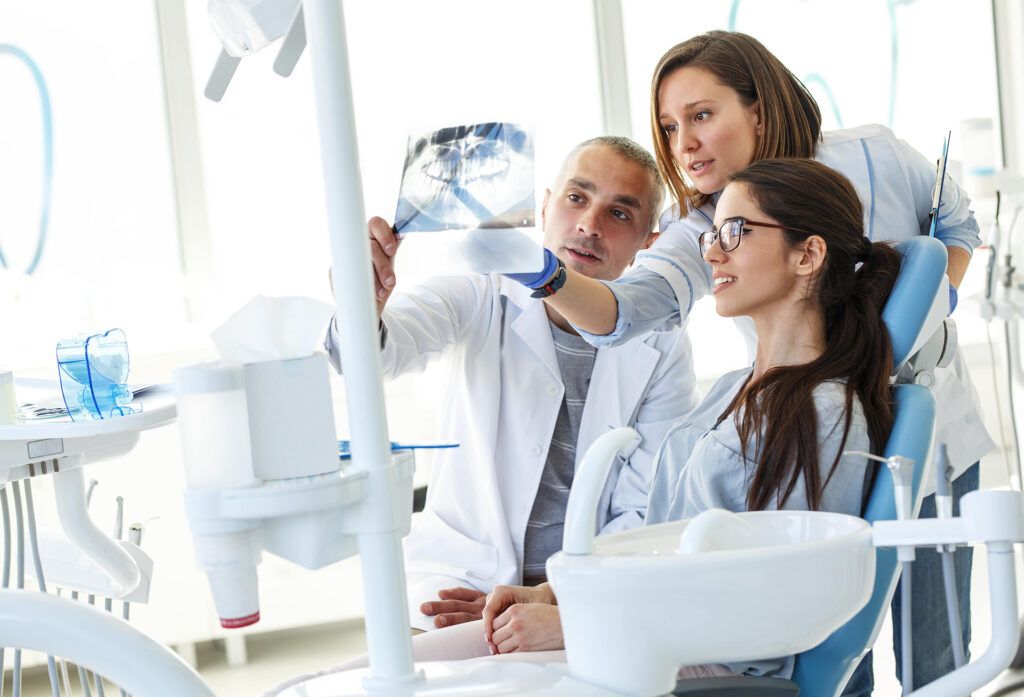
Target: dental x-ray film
x,y
472,188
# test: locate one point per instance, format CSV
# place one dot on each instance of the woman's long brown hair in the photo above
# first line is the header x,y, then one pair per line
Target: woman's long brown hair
x,y
790,118
777,412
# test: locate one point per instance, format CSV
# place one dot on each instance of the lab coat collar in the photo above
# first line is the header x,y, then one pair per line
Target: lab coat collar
x,y
624,370
532,325
624,373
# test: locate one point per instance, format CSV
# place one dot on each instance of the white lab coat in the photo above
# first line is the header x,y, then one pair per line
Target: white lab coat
x,y
501,405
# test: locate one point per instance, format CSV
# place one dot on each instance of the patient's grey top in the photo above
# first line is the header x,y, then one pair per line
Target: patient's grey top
x,y
699,466
547,519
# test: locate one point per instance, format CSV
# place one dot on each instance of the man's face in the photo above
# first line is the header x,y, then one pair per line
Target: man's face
x,y
598,216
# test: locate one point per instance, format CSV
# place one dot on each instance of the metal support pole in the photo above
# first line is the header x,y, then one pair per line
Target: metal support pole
x,y
387,617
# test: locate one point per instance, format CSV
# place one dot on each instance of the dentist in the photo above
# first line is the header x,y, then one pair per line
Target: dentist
x,y
528,395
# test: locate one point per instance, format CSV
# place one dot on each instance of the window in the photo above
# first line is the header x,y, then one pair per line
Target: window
x,y
441,64
111,256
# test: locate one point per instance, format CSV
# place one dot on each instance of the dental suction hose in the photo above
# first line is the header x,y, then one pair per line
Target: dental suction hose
x,y
902,470
69,491
98,641
581,512
903,482
944,510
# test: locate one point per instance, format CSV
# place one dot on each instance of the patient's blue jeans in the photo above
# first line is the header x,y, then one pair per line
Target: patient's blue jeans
x,y
933,651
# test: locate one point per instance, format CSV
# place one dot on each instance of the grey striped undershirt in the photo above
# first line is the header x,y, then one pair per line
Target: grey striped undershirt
x,y
544,529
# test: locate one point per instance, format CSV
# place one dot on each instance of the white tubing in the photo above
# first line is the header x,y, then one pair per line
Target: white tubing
x,y
98,641
33,539
1003,647
587,485
389,643
69,492
906,628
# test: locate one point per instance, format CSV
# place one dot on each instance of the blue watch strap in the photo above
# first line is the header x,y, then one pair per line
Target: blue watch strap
x,y
540,278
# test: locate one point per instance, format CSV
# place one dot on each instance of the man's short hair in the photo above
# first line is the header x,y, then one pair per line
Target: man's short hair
x,y
634,152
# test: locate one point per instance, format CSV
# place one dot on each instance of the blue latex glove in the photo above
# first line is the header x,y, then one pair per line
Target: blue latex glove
x,y
540,278
952,299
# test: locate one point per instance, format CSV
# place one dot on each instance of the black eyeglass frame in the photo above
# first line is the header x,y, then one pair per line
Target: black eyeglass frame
x,y
708,238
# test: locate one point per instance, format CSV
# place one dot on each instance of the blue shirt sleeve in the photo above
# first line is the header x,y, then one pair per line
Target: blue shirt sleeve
x,y
646,302
659,292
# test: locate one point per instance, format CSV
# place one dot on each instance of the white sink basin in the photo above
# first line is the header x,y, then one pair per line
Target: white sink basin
x,y
748,586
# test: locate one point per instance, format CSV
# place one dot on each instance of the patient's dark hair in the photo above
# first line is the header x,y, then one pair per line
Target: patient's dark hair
x,y
777,412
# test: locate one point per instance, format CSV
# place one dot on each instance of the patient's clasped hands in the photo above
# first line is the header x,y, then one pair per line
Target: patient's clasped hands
x,y
520,618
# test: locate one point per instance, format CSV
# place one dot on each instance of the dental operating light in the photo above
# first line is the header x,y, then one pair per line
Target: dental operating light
x,y
246,26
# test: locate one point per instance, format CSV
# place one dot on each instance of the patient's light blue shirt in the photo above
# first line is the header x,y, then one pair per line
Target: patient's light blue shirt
x,y
699,466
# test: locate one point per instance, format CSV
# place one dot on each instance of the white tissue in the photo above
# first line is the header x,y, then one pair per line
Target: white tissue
x,y
272,329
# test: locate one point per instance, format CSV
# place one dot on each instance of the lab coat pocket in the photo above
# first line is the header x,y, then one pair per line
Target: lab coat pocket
x,y
435,547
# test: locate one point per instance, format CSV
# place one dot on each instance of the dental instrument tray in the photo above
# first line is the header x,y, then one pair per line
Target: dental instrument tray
x,y
39,442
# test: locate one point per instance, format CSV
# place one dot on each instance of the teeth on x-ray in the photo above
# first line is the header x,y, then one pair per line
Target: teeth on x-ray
x,y
470,177
480,163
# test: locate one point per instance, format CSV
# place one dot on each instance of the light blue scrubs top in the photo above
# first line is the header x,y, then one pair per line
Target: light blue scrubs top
x,y
699,467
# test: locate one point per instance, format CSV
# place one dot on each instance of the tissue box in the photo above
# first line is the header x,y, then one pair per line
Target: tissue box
x,y
291,418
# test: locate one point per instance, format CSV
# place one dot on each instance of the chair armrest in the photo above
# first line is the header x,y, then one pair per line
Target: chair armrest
x,y
738,686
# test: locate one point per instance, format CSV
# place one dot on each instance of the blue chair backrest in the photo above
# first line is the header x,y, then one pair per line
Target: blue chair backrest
x,y
825,669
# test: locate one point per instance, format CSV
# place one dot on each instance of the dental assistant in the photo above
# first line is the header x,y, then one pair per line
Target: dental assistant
x,y
720,101
528,396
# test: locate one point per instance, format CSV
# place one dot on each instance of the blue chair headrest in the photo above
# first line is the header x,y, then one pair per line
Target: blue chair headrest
x,y
909,312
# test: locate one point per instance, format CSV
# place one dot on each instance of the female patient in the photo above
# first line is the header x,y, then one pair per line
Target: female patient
x,y
788,250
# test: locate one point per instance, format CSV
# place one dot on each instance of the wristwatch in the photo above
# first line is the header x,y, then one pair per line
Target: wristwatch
x,y
555,284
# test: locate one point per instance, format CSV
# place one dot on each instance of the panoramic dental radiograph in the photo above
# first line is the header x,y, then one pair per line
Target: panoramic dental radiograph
x,y
478,176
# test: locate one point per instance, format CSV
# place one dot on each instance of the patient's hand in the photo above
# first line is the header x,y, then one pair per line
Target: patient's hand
x,y
504,597
529,627
455,606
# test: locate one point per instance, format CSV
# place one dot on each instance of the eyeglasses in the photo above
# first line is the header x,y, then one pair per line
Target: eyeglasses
x,y
729,234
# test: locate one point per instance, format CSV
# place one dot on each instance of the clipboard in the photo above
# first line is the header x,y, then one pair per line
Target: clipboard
x,y
940,178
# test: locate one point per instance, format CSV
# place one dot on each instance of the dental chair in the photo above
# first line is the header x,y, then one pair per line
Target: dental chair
x,y
911,319
825,669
